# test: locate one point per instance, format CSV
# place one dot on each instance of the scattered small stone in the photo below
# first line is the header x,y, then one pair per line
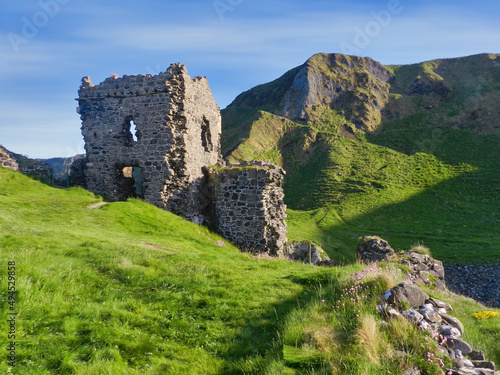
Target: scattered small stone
x,y
478,281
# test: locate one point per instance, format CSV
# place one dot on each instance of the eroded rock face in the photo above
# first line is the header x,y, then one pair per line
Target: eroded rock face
x,y
6,160
355,87
374,249
25,165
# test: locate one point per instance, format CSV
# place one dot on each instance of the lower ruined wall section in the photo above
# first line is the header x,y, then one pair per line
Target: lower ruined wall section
x,y
248,206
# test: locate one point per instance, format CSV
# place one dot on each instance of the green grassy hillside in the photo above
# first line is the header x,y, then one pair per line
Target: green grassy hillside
x,y
428,173
126,288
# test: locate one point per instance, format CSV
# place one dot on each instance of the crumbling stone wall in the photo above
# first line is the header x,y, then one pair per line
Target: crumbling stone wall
x,y
157,136
248,205
177,132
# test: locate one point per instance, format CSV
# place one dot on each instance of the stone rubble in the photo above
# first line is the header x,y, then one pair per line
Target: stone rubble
x,y
408,300
478,281
429,316
307,252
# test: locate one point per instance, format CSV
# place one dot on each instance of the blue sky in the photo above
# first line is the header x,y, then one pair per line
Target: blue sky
x,y
47,46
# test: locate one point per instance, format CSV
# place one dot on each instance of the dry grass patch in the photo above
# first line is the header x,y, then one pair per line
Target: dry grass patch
x,y
370,339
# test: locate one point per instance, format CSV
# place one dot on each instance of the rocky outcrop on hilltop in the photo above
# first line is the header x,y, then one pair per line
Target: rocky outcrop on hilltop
x,y
24,165
355,87
6,160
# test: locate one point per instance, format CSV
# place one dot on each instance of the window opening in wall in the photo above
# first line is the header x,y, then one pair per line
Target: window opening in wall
x,y
206,136
134,176
133,130
130,131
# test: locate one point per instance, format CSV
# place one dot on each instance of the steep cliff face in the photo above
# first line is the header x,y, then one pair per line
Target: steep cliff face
x,y
355,87
460,93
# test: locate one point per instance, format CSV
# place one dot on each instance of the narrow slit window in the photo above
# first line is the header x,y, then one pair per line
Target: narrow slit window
x,y
206,136
133,131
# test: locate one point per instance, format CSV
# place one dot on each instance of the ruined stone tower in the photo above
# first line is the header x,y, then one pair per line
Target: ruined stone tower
x,y
156,137
149,137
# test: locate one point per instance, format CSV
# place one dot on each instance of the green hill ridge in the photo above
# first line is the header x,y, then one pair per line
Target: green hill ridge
x,y
376,148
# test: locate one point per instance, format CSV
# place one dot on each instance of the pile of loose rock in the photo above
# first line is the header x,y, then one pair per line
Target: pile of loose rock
x,y
479,281
409,301
424,268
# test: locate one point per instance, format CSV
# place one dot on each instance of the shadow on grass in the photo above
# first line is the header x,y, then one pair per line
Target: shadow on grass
x,y
457,220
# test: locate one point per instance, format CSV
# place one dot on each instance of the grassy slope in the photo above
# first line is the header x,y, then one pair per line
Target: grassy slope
x,y
339,188
130,289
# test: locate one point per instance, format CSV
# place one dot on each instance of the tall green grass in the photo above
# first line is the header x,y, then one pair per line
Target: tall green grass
x,y
127,288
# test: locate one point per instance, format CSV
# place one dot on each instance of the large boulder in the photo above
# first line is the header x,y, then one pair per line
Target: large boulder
x,y
374,249
307,252
406,293
454,322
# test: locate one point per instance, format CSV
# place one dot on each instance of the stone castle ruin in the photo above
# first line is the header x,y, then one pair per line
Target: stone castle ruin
x,y
158,138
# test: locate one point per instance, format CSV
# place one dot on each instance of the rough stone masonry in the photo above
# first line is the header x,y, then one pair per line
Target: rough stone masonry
x,y
149,137
248,206
156,137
